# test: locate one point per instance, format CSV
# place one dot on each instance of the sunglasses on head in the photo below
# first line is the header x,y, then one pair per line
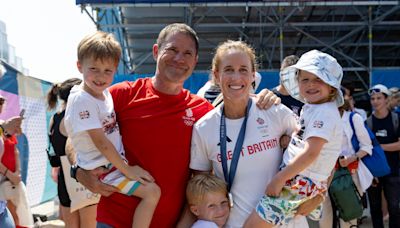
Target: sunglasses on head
x,y
374,90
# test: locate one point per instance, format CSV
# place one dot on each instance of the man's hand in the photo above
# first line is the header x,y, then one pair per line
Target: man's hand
x,y
266,98
13,125
90,179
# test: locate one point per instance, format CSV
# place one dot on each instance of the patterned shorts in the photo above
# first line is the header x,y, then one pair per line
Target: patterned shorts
x,y
280,210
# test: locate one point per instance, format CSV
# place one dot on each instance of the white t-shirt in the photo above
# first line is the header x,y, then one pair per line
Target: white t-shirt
x,y
204,224
85,112
323,121
260,157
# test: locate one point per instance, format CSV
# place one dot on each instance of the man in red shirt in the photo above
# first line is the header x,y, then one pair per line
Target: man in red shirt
x,y
155,116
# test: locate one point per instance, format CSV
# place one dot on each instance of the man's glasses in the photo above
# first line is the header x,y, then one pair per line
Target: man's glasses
x,y
374,90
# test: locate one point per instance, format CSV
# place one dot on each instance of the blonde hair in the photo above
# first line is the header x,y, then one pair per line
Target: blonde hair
x,y
99,45
202,184
233,45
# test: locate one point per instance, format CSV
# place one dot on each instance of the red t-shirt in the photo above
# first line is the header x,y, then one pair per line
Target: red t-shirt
x,y
8,158
156,132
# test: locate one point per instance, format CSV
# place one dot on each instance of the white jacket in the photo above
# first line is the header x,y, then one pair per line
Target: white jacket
x,y
364,174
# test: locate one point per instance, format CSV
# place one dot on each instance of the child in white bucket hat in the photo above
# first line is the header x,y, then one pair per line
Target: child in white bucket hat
x,y
313,150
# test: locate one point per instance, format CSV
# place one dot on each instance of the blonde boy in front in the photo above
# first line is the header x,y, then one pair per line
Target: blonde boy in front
x,y
313,150
207,198
91,124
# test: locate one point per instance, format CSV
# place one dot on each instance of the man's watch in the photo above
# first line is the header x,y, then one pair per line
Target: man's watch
x,y
73,170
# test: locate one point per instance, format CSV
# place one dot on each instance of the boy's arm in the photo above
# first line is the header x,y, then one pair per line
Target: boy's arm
x,y
300,162
108,150
391,147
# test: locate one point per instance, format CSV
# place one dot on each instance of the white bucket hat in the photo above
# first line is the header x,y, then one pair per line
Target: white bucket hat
x,y
321,65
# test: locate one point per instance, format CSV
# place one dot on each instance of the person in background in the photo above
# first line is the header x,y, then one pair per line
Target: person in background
x,y
348,94
207,198
389,139
13,189
394,100
351,159
210,90
290,102
6,219
84,217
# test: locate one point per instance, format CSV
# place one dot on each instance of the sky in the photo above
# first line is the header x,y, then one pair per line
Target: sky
x,y
45,35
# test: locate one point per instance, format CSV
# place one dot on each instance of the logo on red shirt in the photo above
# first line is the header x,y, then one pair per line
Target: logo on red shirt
x,y
188,119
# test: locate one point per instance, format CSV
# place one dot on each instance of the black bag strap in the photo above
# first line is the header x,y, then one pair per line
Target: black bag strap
x,y
369,122
395,121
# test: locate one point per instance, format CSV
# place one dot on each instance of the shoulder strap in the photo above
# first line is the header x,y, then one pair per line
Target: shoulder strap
x,y
369,122
354,140
351,122
395,121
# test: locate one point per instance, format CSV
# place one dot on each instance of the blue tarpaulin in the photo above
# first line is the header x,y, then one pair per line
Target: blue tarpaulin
x,y
387,77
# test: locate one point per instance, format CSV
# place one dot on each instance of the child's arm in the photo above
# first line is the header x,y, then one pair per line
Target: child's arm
x,y
312,148
108,150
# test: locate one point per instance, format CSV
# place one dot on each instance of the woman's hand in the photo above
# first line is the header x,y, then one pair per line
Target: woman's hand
x,y
274,187
266,98
345,161
13,125
308,206
90,179
54,173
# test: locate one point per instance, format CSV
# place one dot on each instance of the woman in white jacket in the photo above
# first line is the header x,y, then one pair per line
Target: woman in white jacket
x,y
351,159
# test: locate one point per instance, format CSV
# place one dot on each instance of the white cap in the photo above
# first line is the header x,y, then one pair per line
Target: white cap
x,y
321,65
379,88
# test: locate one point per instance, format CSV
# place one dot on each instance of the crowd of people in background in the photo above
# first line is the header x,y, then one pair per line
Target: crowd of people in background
x,y
163,157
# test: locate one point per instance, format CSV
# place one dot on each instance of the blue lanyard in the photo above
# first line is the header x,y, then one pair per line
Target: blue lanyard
x,y
238,147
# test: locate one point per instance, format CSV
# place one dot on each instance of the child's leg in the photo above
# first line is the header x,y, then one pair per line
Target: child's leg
x,y
150,194
256,221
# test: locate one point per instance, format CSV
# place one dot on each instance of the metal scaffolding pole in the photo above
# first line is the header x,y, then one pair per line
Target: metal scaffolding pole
x,y
370,43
